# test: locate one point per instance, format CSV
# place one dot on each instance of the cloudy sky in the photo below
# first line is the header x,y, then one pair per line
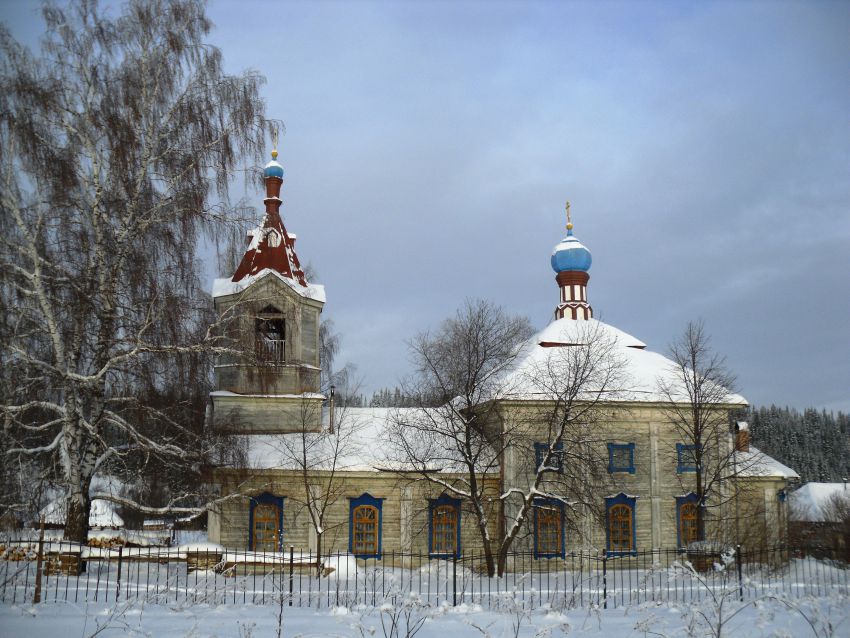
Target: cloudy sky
x,y
705,148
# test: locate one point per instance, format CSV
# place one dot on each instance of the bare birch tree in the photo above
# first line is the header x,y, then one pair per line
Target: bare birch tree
x,y
319,458
698,394
462,432
117,145
836,509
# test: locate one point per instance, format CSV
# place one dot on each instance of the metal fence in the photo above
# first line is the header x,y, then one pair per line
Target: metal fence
x,y
63,571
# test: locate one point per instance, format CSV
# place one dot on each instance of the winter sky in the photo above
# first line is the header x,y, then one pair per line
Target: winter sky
x,y
430,147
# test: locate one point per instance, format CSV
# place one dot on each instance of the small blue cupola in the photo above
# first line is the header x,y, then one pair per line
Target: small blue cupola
x,y
570,253
273,168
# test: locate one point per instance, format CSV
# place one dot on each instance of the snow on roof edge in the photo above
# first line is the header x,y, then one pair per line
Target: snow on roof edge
x,y
757,464
223,286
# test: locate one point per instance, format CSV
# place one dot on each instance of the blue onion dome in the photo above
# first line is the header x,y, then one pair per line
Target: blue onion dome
x,y
570,254
273,168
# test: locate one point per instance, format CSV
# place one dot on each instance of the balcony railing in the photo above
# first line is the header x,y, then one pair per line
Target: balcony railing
x,y
270,351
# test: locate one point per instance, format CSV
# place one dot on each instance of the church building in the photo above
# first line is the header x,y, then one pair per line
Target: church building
x,y
304,473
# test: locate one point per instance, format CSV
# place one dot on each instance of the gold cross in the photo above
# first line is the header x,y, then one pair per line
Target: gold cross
x,y
569,221
274,142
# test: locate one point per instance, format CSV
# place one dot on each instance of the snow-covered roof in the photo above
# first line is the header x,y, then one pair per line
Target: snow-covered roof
x,y
102,513
573,332
363,436
811,502
303,395
363,431
757,464
223,286
638,373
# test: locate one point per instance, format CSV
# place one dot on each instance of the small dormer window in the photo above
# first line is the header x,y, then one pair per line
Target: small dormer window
x,y
273,239
270,337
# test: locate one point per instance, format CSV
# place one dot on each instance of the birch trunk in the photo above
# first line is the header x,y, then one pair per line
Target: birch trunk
x,y
118,141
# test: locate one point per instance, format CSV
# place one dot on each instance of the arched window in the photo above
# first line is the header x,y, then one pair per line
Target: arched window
x,y
270,337
548,528
365,526
444,527
687,523
365,529
266,523
686,515
620,528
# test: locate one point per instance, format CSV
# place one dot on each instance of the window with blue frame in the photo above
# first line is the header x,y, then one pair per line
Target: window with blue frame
x,y
687,458
265,523
556,459
687,530
364,526
444,527
549,537
621,457
620,524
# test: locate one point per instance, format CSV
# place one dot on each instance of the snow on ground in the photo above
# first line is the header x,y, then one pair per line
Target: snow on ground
x,y
813,617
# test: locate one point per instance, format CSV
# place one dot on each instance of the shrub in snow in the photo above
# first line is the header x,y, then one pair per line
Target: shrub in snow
x,y
404,616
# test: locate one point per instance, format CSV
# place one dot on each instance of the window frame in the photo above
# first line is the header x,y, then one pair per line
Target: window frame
x,y
266,498
615,447
612,502
365,499
557,453
681,468
541,503
433,505
681,501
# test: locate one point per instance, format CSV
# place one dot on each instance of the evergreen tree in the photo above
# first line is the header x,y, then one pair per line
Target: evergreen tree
x,y
816,444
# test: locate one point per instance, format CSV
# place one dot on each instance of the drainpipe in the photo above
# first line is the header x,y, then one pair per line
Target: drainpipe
x,y
736,487
331,409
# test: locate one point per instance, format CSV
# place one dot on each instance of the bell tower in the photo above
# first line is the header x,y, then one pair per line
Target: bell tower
x,y
268,380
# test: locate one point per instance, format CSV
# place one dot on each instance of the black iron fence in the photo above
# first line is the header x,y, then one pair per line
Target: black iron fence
x,y
62,571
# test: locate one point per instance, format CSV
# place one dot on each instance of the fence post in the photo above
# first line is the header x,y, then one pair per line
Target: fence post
x,y
291,567
118,578
454,579
36,597
740,575
605,580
